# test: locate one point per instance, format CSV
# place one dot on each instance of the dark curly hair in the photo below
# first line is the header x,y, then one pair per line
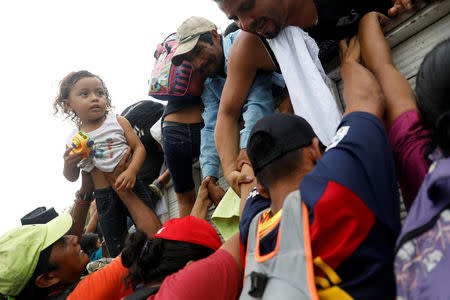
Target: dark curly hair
x,y
433,95
88,243
150,261
64,91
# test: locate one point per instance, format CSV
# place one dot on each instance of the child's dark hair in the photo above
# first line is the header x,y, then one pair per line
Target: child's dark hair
x,y
433,95
150,261
64,91
88,243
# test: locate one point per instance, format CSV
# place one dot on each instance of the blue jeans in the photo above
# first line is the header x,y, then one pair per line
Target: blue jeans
x,y
181,143
112,214
259,104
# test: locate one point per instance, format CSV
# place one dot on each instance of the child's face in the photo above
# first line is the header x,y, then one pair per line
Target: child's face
x,y
87,99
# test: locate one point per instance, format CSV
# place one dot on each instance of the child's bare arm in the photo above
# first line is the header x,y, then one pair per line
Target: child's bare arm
x,y
71,171
127,179
376,55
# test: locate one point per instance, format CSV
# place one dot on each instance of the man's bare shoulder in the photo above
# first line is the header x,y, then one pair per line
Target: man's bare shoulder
x,y
249,50
247,40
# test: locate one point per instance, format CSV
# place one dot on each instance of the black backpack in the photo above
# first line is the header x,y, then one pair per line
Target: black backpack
x,y
142,116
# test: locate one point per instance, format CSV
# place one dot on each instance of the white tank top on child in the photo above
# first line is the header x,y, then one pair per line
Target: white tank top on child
x,y
110,146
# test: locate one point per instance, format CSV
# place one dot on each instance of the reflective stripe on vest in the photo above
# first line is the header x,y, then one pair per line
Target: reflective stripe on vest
x,y
287,272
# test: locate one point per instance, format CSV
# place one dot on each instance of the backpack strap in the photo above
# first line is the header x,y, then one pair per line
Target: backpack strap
x,y
271,54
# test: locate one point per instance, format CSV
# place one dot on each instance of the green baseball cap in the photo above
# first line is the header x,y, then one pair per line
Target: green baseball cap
x,y
188,34
20,249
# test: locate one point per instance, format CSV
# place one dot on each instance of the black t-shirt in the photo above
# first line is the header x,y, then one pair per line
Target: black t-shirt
x,y
340,19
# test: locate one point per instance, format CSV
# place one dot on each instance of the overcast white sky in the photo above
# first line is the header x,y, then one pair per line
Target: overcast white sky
x,y
42,41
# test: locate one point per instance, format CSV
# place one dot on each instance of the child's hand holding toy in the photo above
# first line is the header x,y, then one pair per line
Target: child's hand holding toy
x,y
82,144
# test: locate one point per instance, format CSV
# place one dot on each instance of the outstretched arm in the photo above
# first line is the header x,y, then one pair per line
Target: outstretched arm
x,y
127,179
246,57
232,246
203,202
81,206
376,55
361,90
93,218
144,218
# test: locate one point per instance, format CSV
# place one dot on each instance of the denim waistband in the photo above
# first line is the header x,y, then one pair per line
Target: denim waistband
x,y
104,190
179,124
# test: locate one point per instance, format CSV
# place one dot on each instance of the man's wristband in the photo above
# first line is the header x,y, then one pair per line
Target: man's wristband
x,y
85,197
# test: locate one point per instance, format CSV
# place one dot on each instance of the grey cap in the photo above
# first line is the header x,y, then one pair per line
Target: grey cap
x,y
188,34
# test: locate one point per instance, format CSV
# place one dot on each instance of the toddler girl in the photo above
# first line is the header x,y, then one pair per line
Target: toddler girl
x,y
84,98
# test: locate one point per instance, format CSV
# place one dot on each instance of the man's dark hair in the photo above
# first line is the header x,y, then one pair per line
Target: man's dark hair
x,y
206,37
277,169
231,28
150,261
433,95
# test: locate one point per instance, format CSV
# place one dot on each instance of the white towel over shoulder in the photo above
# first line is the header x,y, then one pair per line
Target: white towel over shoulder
x,y
297,55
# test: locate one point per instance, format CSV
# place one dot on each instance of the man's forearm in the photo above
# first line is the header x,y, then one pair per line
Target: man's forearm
x,y
144,218
227,142
79,212
93,222
81,206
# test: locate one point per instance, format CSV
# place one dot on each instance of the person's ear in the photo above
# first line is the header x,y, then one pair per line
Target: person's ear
x,y
215,35
46,280
262,190
315,150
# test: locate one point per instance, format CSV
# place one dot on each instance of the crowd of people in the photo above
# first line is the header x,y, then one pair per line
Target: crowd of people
x,y
319,188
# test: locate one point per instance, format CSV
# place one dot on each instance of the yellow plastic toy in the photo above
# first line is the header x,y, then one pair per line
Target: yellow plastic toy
x,y
82,143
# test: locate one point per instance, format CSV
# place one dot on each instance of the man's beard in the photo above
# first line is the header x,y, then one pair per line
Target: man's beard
x,y
210,73
272,34
204,69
